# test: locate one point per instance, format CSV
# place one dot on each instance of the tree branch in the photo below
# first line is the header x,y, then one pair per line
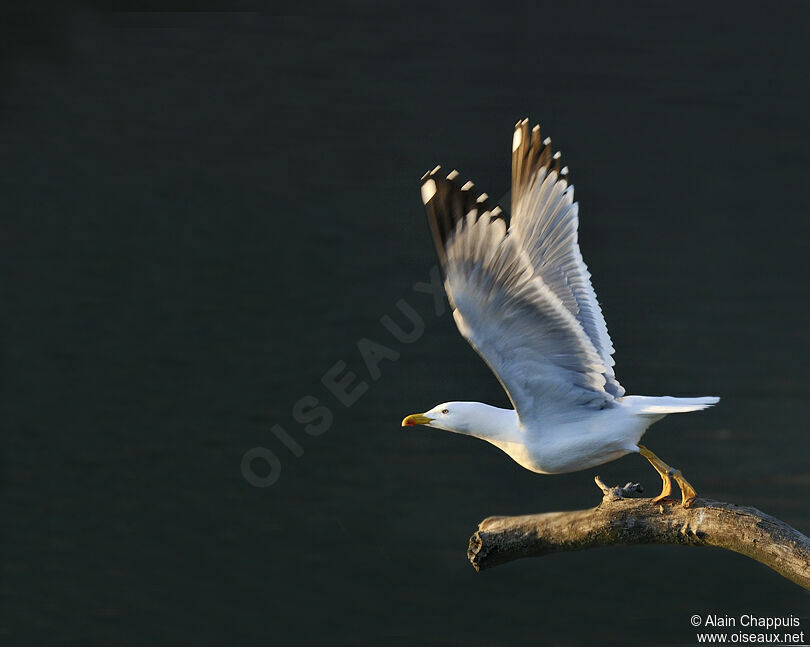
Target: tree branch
x,y
619,520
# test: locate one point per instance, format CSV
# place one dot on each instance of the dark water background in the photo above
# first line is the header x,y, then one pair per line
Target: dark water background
x,y
204,211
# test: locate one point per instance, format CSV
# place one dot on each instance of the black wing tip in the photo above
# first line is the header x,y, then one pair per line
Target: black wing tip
x,y
448,200
532,153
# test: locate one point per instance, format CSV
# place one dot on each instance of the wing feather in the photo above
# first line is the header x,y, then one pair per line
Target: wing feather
x,y
545,219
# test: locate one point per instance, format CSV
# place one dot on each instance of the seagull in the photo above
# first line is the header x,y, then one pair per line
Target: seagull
x,y
521,295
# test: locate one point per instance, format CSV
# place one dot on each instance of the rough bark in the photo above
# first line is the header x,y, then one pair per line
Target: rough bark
x,y
619,520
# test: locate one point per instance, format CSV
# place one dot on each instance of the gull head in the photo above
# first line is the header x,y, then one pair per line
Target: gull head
x,y
472,419
450,416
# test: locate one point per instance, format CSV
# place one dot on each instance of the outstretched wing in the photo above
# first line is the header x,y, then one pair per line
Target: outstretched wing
x,y
528,337
544,220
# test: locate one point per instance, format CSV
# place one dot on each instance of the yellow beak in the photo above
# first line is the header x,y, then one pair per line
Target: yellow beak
x,y
416,419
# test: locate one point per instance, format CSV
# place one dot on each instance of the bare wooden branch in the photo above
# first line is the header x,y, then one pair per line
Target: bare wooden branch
x,y
619,520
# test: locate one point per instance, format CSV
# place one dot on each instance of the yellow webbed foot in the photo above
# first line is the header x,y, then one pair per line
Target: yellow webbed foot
x,y
688,493
666,490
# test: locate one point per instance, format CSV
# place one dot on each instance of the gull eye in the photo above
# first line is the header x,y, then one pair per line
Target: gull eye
x,y
445,411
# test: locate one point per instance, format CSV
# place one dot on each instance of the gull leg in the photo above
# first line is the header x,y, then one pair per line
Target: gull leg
x,y
688,493
663,470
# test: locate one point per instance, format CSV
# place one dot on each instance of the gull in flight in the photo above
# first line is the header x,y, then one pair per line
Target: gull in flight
x,y
521,295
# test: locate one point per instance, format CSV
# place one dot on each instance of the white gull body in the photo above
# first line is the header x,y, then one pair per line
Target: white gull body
x,y
521,295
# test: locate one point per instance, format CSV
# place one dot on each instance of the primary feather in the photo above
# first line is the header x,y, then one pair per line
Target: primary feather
x,y
545,221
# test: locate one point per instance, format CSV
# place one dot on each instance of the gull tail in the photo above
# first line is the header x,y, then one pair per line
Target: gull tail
x,y
661,406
